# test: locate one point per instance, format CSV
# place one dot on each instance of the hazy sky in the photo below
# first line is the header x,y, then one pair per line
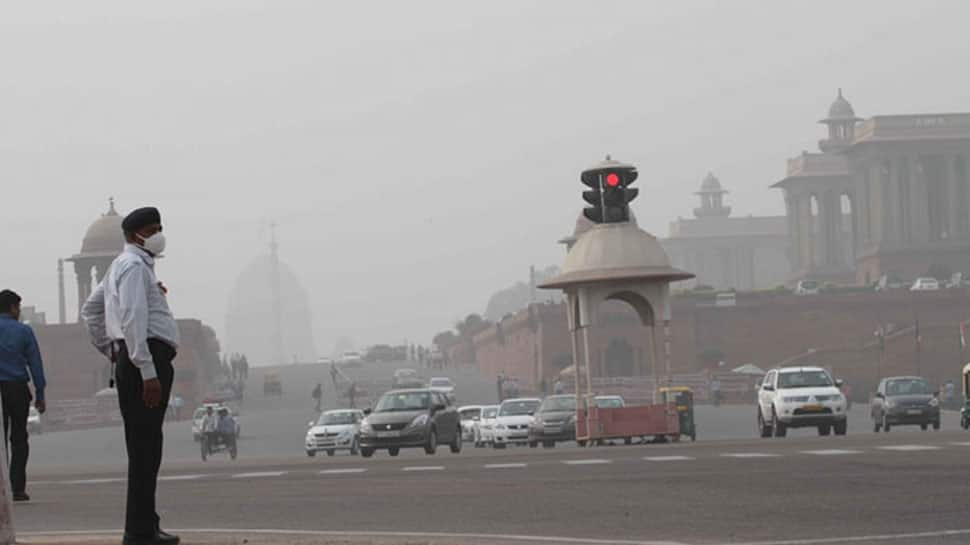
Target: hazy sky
x,y
418,156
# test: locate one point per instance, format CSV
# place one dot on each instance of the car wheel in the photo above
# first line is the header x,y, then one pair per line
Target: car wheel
x,y
824,430
330,452
841,427
394,451
777,425
366,452
924,426
936,425
533,444
354,446
498,446
763,428
311,453
548,444
455,445
431,445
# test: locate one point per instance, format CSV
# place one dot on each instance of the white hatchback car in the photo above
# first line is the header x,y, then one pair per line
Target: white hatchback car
x,y
333,431
512,422
485,429
470,415
798,397
925,283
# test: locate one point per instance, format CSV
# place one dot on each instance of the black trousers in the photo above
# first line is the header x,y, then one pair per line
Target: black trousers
x,y
16,408
143,434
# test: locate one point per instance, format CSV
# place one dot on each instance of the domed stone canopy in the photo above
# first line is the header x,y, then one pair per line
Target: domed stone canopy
x,y
616,251
104,237
841,109
711,185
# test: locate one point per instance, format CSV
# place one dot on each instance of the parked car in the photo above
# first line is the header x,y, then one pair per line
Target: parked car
x,y
470,416
888,282
796,397
406,378
925,283
610,402
324,360
351,359
728,299
901,401
442,384
333,431
34,423
485,428
808,287
417,418
555,421
512,422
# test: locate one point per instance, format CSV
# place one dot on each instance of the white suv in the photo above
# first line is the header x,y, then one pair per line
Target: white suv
x,y
799,397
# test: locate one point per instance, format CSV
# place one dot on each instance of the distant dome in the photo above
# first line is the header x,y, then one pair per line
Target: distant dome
x,y
249,319
841,108
104,236
711,184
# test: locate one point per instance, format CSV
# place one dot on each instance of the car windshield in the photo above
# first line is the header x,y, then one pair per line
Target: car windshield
x,y
471,414
403,401
440,382
558,404
518,408
336,419
804,379
609,402
489,412
908,386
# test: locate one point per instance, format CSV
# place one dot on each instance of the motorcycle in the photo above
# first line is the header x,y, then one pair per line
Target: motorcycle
x,y
216,443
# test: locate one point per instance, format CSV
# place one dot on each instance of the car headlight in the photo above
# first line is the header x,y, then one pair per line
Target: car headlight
x,y
889,404
419,421
934,402
500,426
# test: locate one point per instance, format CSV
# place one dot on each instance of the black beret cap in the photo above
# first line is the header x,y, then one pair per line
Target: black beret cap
x,y
140,218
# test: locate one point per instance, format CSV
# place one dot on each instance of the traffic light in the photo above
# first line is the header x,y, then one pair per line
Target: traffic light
x,y
610,195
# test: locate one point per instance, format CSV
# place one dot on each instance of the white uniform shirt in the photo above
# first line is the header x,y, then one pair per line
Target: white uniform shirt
x,y
129,305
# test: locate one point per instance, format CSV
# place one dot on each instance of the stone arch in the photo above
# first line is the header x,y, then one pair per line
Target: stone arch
x,y
639,303
618,358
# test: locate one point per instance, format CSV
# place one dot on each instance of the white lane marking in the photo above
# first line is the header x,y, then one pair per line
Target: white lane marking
x,y
96,481
491,538
750,455
590,462
863,539
909,448
258,474
961,443
504,466
423,468
667,458
343,471
181,477
831,452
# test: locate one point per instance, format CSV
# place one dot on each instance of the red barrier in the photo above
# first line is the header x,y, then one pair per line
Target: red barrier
x,y
628,422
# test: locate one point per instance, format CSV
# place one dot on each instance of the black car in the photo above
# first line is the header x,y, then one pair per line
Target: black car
x,y
554,421
416,418
905,401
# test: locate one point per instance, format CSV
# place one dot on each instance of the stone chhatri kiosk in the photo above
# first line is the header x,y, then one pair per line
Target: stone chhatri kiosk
x,y
617,261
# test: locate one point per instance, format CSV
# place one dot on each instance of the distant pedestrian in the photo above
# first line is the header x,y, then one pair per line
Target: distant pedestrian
x,y
20,363
500,385
130,322
317,395
352,395
558,387
177,404
716,391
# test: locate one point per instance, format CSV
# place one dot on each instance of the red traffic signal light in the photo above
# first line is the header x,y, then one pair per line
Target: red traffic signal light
x,y
612,179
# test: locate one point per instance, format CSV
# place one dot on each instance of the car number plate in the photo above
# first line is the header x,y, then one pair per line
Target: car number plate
x,y
552,429
812,408
914,411
383,434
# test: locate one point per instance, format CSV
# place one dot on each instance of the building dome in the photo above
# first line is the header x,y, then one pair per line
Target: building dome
x,y
104,236
250,316
711,184
616,251
841,109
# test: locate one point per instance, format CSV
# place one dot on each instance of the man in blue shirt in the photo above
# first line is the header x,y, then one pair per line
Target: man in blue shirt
x,y
20,363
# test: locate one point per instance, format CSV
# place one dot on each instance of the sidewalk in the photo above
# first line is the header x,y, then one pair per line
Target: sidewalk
x,y
242,538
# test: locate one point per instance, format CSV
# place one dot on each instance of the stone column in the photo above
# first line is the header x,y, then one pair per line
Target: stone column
x,y
955,227
918,201
890,195
83,273
794,233
833,222
807,231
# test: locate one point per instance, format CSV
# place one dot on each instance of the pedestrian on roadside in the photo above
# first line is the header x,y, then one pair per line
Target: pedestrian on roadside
x,y
558,387
500,384
20,363
177,404
130,322
317,395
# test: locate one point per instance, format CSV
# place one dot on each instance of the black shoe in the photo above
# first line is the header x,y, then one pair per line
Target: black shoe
x,y
158,538
21,496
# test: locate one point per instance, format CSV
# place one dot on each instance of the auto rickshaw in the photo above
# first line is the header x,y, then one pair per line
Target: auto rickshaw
x,y
272,384
965,411
684,398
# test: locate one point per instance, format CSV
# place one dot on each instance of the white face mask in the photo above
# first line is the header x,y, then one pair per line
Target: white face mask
x,y
154,244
